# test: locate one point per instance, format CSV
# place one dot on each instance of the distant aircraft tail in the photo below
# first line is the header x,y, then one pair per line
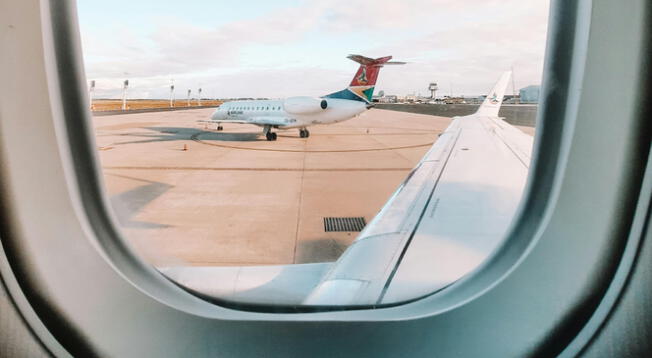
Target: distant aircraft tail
x,y
363,83
491,104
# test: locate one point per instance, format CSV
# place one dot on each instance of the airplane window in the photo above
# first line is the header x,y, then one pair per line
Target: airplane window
x,y
367,193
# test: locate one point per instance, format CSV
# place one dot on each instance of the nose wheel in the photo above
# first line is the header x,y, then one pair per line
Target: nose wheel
x,y
267,131
270,136
304,133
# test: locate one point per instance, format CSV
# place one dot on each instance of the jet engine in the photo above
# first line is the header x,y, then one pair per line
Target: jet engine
x,y
304,105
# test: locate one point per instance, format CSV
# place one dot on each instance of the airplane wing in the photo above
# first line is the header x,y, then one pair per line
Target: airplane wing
x,y
260,121
448,216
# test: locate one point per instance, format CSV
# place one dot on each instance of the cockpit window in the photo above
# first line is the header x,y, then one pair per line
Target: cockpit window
x,y
364,192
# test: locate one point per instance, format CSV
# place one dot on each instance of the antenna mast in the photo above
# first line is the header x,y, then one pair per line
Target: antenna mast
x,y
516,101
124,94
172,93
91,90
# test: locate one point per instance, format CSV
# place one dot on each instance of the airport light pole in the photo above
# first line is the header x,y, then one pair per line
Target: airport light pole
x,y
124,94
516,101
91,90
188,99
199,97
172,94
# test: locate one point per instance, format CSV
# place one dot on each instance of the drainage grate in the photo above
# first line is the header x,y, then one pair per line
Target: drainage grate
x,y
344,224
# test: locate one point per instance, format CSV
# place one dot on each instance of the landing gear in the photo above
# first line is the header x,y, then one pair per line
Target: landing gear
x,y
267,131
304,133
219,128
270,136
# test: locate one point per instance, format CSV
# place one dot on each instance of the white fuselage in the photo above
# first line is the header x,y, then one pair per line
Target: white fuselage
x,y
274,113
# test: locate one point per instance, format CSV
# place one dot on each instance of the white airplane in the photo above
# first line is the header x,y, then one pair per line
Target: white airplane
x,y
302,112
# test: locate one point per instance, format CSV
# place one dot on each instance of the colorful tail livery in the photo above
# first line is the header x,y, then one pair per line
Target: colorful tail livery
x,y
363,83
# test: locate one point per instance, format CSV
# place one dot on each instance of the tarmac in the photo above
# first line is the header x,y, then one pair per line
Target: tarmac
x,y
185,194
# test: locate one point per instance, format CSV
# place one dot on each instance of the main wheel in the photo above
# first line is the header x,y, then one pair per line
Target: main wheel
x,y
306,133
269,136
273,136
302,133
219,128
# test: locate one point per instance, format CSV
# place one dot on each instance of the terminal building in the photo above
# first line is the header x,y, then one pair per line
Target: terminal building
x,y
530,94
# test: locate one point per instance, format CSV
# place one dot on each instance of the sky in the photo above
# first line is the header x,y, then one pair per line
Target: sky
x,y
284,48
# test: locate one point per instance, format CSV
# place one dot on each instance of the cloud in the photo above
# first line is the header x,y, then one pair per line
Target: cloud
x,y
180,47
288,50
470,55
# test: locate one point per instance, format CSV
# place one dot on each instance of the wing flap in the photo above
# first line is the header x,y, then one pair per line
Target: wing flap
x,y
469,211
442,221
378,249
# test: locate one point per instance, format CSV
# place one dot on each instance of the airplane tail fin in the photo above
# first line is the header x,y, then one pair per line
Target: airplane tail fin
x,y
491,104
363,83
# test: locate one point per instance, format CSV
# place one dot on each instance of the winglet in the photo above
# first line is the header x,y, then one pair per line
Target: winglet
x,y
491,104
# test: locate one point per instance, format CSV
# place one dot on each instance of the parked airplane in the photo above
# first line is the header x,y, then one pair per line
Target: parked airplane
x,y
302,112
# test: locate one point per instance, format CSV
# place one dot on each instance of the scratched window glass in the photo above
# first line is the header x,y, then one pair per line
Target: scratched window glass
x,y
328,153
